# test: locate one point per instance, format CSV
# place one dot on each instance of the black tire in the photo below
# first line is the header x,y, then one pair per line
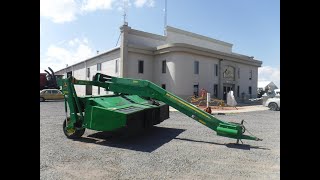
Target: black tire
x,y
273,106
42,99
73,135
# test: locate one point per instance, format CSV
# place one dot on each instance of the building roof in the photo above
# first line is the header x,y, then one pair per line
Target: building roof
x,y
209,52
188,33
263,84
100,54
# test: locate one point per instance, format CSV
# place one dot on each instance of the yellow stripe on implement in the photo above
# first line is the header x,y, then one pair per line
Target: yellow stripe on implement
x,y
188,105
202,121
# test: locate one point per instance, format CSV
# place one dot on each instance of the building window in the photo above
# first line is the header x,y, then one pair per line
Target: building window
x,y
116,70
163,86
238,91
88,89
140,67
215,90
250,77
88,72
164,66
99,67
216,69
69,74
238,73
196,89
250,90
196,67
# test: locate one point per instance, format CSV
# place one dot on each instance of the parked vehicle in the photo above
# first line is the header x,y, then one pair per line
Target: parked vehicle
x,y
43,80
274,102
50,94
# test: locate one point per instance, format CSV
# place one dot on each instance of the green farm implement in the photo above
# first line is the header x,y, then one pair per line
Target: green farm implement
x,y
134,104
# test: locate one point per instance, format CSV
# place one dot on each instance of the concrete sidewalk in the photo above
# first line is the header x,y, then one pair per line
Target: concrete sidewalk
x,y
231,110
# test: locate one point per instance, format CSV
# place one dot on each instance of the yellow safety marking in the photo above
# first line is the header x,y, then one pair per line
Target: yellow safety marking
x,y
202,121
193,108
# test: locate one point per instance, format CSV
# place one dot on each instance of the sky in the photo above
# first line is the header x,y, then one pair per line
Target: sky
x,y
74,30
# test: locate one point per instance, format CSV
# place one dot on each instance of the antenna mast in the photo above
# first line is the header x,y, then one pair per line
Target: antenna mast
x,y
125,6
165,17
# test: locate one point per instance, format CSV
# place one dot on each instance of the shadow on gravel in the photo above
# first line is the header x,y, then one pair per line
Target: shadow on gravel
x,y
245,146
48,101
144,141
229,145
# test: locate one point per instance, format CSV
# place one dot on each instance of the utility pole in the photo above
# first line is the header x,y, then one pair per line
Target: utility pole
x,y
125,6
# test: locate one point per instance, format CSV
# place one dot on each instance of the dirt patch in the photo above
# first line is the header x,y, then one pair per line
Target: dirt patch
x,y
218,108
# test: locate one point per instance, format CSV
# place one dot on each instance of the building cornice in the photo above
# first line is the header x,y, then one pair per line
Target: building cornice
x,y
141,49
181,47
180,31
146,34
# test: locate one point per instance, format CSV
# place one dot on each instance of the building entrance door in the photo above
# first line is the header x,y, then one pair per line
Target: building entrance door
x,y
226,89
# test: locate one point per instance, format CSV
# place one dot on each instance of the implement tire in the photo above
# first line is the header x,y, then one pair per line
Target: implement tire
x,y
73,133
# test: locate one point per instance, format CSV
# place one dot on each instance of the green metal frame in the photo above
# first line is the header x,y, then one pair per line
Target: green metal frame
x,y
148,89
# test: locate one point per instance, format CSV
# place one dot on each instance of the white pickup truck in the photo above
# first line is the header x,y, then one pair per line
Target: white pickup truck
x,y
274,102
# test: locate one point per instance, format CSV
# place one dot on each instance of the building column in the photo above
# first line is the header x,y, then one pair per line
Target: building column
x,y
72,71
220,87
123,50
66,71
85,70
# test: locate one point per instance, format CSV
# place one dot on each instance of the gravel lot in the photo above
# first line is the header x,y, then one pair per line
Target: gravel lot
x,y
178,148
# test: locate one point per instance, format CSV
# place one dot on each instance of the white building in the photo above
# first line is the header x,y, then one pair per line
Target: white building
x,y
181,62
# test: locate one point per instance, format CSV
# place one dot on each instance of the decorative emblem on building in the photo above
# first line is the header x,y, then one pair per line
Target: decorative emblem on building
x,y
228,73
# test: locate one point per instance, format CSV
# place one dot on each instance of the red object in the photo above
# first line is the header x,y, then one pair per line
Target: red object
x,y
208,110
203,93
43,80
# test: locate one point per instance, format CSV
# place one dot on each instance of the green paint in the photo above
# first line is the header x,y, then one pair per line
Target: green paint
x,y
107,113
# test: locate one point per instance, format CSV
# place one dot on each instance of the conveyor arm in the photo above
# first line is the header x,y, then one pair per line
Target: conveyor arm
x,y
148,89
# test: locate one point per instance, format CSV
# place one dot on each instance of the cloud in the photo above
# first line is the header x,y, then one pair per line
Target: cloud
x,y
70,52
141,3
76,41
269,73
124,4
93,5
59,11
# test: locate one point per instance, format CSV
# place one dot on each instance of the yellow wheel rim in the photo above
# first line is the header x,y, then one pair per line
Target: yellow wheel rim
x,y
71,131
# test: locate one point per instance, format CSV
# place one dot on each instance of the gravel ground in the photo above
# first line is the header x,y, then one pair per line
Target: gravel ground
x,y
178,148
